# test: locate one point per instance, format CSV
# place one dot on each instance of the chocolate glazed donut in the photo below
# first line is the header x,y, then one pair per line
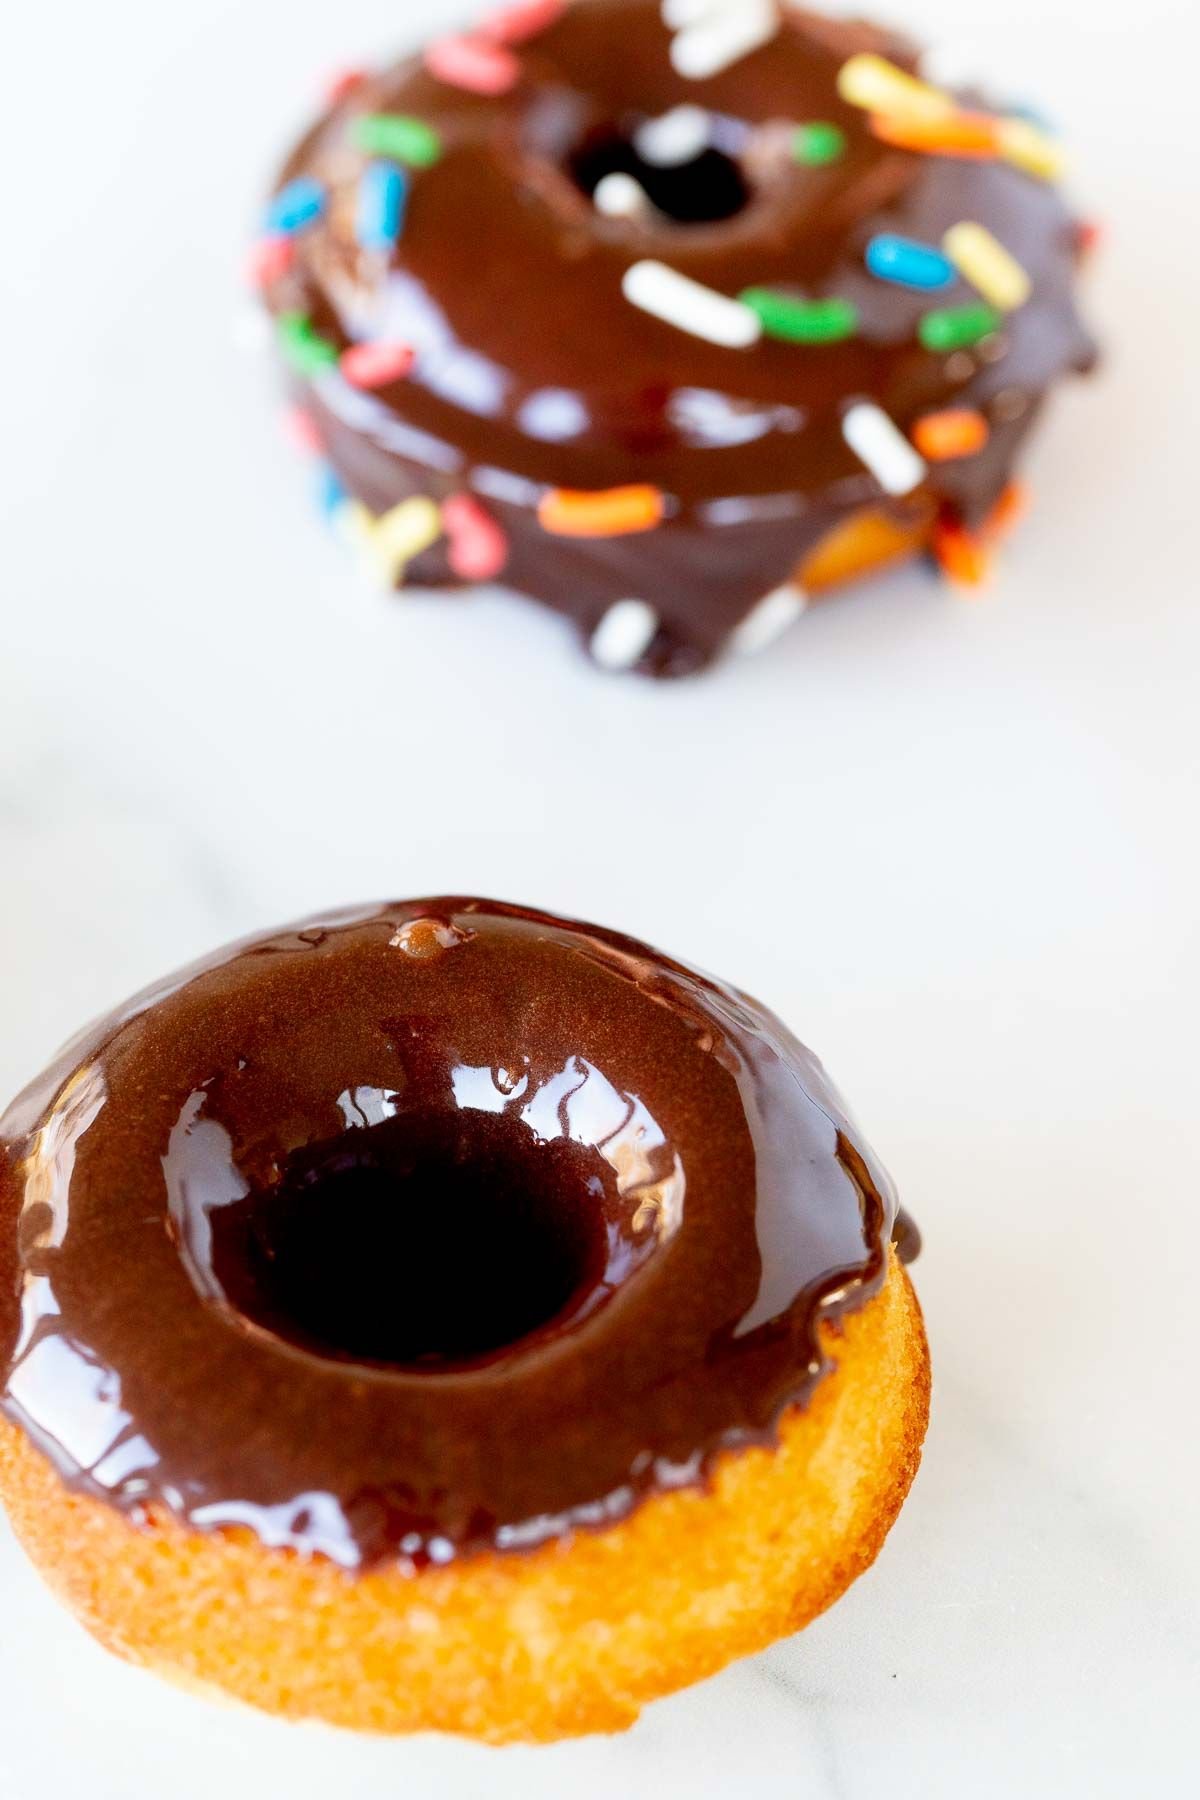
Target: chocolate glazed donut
x,y
669,371
428,1242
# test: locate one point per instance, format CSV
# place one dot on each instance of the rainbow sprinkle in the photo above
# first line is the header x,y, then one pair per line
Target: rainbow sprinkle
x,y
401,533
624,634
817,144
295,206
300,429
1027,147
341,83
269,260
382,198
621,196
473,64
476,547
376,365
797,321
331,492
962,555
965,556
958,327
955,432
524,19
908,263
303,347
768,619
912,115
601,512
675,137
712,37
882,448
878,86
987,265
404,139
1089,236
963,134
690,306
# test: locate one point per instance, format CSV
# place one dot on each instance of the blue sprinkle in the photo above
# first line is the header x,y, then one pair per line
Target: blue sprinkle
x,y
908,263
330,492
382,196
296,205
1035,117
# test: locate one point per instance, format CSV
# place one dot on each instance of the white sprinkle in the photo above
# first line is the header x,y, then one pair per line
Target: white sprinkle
x,y
619,196
879,443
499,484
680,301
677,13
623,634
719,39
769,619
674,138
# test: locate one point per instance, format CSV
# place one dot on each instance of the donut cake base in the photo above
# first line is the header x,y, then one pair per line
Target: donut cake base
x,y
575,1637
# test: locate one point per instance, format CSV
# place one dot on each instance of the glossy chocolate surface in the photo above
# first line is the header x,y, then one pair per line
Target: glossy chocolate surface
x,y
422,1229
533,371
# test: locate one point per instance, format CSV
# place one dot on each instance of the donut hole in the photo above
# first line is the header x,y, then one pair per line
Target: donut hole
x,y
701,190
421,1242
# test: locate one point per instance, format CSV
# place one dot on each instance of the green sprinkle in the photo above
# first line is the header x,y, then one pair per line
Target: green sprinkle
x,y
801,321
956,327
305,349
818,143
404,139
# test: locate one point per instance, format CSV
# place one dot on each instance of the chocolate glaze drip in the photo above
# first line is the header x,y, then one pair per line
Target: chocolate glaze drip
x,y
533,370
424,1229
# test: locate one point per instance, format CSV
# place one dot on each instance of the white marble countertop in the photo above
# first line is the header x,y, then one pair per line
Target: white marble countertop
x,y
954,844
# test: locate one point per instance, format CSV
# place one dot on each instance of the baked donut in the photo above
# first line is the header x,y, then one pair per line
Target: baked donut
x,y
443,1315
669,316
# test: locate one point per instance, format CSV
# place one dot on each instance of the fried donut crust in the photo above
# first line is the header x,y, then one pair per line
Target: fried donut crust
x,y
571,1638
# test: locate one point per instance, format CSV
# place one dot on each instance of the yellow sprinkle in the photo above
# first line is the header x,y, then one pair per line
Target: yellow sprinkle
x,y
987,265
880,87
385,545
355,525
405,531
1029,148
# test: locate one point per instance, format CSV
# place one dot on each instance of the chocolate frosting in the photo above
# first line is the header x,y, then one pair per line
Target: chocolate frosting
x,y
533,371
424,1229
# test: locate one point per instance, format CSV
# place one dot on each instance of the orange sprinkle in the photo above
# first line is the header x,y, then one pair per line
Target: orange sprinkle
x,y
1008,512
942,436
962,134
961,555
603,512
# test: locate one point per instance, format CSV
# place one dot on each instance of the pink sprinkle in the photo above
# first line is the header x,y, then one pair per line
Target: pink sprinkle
x,y
300,430
477,548
474,64
513,24
1089,235
270,260
374,365
341,84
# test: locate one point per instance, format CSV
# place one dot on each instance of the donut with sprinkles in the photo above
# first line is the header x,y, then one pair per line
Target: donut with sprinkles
x,y
670,314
